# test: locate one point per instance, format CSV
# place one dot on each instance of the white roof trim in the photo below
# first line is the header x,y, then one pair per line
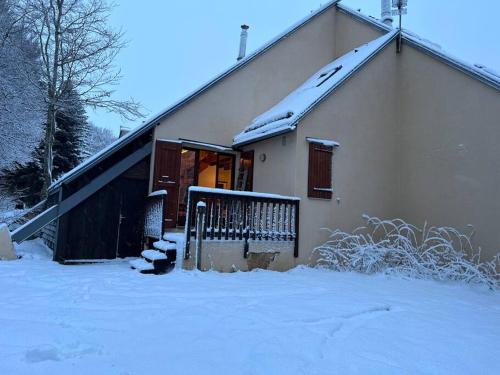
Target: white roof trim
x,y
477,71
324,142
206,145
241,193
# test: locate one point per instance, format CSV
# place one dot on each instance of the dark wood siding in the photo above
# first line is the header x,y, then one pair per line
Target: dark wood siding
x,y
320,171
93,228
48,234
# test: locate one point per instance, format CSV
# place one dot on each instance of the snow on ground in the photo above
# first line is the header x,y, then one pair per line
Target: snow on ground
x,y
108,319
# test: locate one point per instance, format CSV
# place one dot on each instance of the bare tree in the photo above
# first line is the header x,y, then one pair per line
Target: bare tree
x,y
21,103
77,49
96,138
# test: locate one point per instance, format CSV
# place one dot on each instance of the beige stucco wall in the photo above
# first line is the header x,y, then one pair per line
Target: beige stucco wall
x,y
365,178
350,34
419,140
226,108
277,173
450,167
429,153
227,256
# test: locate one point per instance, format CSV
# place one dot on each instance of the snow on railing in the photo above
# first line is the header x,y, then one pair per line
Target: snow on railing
x,y
154,223
243,216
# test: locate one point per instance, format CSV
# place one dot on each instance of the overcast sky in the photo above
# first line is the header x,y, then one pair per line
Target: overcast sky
x,y
176,46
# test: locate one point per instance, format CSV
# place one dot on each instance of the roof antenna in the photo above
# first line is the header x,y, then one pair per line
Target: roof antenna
x,y
399,8
243,42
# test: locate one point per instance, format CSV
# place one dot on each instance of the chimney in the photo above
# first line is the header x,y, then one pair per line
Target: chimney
x,y
386,12
243,42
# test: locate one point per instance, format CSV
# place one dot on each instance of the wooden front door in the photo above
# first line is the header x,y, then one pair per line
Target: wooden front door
x,y
166,177
131,217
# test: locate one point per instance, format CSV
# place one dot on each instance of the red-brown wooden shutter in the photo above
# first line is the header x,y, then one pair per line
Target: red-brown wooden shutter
x,y
320,171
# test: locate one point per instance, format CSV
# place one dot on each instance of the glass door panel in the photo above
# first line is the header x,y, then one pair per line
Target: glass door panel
x,y
225,171
207,168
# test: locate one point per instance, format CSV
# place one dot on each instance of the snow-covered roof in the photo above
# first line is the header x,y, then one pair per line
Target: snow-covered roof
x,y
476,70
157,118
324,142
285,115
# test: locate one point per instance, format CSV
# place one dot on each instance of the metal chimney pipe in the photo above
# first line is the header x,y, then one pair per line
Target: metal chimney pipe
x,y
243,42
386,12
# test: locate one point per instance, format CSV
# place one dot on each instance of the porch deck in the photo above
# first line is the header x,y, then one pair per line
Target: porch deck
x,y
228,230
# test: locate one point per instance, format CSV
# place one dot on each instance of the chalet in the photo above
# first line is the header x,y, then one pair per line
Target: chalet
x,y
338,116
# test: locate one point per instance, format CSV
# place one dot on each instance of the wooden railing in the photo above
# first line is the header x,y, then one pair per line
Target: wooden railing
x,y
154,218
236,215
27,215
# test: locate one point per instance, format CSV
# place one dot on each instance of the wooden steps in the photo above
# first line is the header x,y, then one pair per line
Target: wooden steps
x,y
153,255
142,265
159,260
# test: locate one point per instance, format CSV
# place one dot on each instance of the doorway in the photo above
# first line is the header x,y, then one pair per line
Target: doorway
x,y
203,168
177,168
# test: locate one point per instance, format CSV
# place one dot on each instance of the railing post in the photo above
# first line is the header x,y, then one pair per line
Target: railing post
x,y
296,245
187,225
201,209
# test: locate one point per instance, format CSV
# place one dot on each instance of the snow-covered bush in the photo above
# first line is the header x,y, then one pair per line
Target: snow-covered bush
x,y
396,247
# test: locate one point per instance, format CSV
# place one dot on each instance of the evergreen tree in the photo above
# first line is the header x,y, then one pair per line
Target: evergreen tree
x,y
71,131
25,181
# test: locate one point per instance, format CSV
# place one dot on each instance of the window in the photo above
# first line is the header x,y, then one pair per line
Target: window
x,y
320,171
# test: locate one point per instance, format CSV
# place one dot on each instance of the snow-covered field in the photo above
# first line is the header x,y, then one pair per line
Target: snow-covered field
x,y
108,319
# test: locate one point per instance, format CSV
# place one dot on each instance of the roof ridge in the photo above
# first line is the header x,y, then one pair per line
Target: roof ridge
x,y
478,71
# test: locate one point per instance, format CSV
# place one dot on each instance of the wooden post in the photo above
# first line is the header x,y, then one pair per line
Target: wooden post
x,y
297,229
201,209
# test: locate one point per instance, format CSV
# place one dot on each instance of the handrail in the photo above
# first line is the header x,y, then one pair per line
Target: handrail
x,y
29,214
60,208
243,216
34,225
154,218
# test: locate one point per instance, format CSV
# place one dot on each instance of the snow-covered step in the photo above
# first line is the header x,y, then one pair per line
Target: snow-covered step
x,y
164,245
174,237
142,265
153,255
